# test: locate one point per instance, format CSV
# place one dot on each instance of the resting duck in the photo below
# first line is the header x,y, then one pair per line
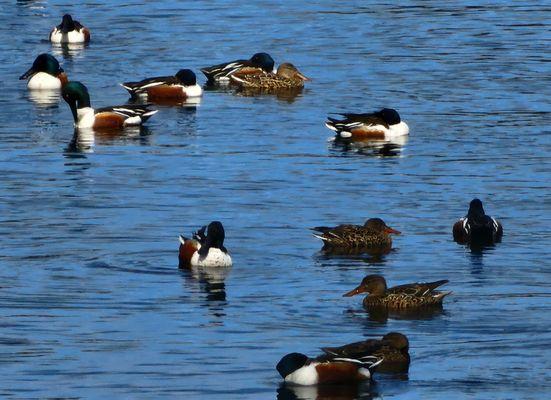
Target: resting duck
x,y
222,72
477,228
392,349
373,234
287,77
384,124
410,295
205,251
114,117
45,74
181,86
69,31
298,369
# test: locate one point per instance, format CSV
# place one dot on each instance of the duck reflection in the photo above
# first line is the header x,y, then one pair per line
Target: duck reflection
x,y
211,281
288,95
84,140
69,50
45,98
383,314
367,257
190,104
327,392
371,147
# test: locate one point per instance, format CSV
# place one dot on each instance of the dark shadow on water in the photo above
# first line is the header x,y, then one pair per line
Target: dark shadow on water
x,y
364,391
286,95
211,281
84,140
367,256
372,148
382,315
68,50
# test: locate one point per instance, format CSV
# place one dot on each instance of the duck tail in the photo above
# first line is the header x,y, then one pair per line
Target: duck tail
x,y
434,285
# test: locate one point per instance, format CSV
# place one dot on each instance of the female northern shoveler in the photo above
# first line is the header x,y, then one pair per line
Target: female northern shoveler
x,y
114,117
205,251
298,369
287,77
181,86
373,234
222,72
384,124
45,74
410,295
69,31
392,349
477,228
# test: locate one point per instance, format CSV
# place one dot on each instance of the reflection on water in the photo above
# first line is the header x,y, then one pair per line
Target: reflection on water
x,y
45,98
364,390
68,51
211,281
377,148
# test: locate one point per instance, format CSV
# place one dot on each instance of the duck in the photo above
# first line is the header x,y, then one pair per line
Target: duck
x,y
259,62
374,234
181,86
69,31
410,295
299,369
113,117
205,250
45,74
286,77
477,228
383,124
393,349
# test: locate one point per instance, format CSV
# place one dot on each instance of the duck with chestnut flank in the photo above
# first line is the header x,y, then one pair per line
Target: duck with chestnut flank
x,y
477,228
45,74
298,369
114,117
374,234
385,124
205,250
411,295
392,349
286,77
69,31
180,87
258,63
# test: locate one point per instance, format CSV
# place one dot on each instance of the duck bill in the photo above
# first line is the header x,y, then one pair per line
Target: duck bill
x,y
353,292
303,77
73,106
27,74
389,230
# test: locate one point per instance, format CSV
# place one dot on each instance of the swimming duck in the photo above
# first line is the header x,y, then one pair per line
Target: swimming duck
x,y
373,234
298,369
45,74
114,117
384,124
477,228
69,31
392,349
181,86
287,77
410,295
222,72
205,250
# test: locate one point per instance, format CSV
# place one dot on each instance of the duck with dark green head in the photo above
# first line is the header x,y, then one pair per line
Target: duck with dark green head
x,y
45,74
113,117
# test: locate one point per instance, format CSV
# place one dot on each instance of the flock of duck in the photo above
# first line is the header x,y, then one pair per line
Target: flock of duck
x,y
205,248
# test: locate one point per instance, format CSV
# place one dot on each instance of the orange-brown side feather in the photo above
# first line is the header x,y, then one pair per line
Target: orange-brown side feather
x,y
187,249
86,33
62,76
335,372
108,120
166,92
366,133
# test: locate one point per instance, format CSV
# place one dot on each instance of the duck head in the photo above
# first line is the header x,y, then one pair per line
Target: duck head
x,y
289,71
215,238
378,225
43,63
187,77
67,24
390,116
76,95
264,61
290,363
397,341
372,284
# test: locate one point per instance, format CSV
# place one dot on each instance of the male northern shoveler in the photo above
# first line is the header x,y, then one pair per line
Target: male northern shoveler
x,y
374,234
205,251
477,228
45,74
222,72
69,31
114,117
181,86
392,349
298,369
287,77
384,124
410,295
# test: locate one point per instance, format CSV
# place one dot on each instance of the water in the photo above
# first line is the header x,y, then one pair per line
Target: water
x,y
92,302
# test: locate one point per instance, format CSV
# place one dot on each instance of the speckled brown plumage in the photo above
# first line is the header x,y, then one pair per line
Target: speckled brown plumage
x,y
287,77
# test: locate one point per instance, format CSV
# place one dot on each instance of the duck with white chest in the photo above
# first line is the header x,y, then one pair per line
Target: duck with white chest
x,y
205,250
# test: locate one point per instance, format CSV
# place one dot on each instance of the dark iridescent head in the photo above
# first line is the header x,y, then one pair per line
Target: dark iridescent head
x,y
475,208
187,77
215,238
76,95
290,363
397,340
43,63
378,225
390,116
67,24
264,61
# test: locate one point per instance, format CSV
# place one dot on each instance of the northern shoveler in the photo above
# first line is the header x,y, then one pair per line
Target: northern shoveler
x,y
287,77
298,369
410,295
69,31
114,117
181,86
392,349
477,228
222,72
374,234
45,74
205,250
384,124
